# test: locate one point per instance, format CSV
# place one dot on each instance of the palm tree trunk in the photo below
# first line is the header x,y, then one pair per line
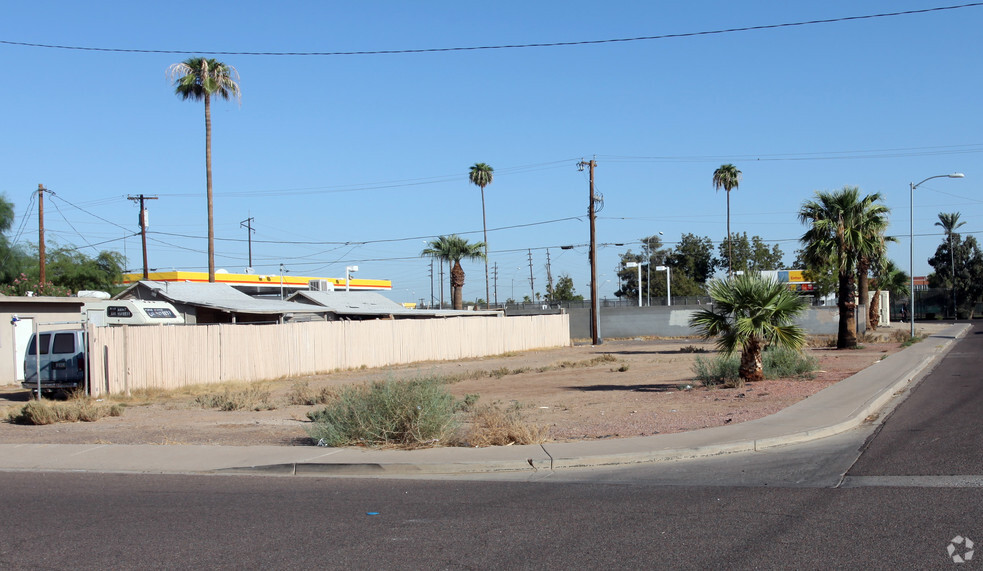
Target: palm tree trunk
x,y
863,285
846,337
730,243
457,286
208,184
874,312
751,368
484,225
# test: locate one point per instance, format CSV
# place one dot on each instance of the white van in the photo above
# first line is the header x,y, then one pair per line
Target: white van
x,y
130,312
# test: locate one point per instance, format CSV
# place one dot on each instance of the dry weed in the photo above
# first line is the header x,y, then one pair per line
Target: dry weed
x,y
492,425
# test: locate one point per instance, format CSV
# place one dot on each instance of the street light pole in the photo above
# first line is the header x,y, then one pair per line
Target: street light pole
x,y
911,246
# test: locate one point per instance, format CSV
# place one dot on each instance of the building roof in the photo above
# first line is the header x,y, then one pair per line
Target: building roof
x,y
269,282
218,296
367,303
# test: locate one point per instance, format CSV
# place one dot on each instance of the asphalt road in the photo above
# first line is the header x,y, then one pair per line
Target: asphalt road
x,y
908,492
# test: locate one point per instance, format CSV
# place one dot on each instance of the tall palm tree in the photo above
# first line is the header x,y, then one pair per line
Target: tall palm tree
x,y
837,233
949,221
751,312
728,178
453,249
481,175
199,79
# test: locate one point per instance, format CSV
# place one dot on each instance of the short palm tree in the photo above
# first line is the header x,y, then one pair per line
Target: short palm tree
x,y
728,178
199,79
872,247
949,221
453,249
750,313
481,175
837,234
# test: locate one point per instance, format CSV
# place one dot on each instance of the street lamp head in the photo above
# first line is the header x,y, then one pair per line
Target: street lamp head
x,y
957,175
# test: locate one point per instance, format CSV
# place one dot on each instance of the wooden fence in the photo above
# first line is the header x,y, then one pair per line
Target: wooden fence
x,y
167,357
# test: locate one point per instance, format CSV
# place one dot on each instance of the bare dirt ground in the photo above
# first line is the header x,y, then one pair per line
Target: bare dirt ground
x,y
618,389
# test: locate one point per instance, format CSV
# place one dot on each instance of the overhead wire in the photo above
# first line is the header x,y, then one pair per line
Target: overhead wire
x,y
507,46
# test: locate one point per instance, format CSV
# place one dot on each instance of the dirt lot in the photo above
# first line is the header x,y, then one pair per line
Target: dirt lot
x,y
618,389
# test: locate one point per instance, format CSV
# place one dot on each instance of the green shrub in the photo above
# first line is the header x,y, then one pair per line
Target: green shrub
x,y
777,364
386,413
717,370
782,363
467,403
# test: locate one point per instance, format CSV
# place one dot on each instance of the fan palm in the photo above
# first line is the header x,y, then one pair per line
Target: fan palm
x,y
890,278
949,221
749,313
199,79
481,175
453,249
837,233
728,178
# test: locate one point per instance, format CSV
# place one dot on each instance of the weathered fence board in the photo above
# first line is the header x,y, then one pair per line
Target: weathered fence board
x,y
129,358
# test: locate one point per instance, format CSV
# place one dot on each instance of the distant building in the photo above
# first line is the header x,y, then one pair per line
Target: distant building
x,y
264,284
206,303
358,305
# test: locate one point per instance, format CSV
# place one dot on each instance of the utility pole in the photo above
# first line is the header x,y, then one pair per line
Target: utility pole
x,y
143,230
441,282
549,276
431,283
496,285
248,225
41,191
532,280
594,307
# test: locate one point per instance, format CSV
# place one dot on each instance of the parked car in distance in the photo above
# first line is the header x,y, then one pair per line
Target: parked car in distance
x,y
61,361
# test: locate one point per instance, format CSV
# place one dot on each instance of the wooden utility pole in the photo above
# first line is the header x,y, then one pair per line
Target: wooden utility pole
x,y
532,280
143,230
248,225
549,277
594,307
41,281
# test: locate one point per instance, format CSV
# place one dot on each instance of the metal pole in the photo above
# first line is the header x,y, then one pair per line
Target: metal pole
x,y
911,259
639,285
668,286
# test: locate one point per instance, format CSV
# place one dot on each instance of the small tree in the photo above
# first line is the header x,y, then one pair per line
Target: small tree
x,y
750,313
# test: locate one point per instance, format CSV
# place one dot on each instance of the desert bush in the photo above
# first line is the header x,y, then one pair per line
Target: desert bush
x,y
777,363
718,370
467,403
75,410
386,413
693,349
251,398
493,425
784,363
301,393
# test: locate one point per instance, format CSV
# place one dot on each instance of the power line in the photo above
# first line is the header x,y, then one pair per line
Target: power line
x,y
505,46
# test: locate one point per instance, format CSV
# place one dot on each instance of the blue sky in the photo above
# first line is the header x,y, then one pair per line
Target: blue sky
x,y
357,160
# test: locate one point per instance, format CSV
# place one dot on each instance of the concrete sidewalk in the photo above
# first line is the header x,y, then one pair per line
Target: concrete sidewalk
x,y
836,409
